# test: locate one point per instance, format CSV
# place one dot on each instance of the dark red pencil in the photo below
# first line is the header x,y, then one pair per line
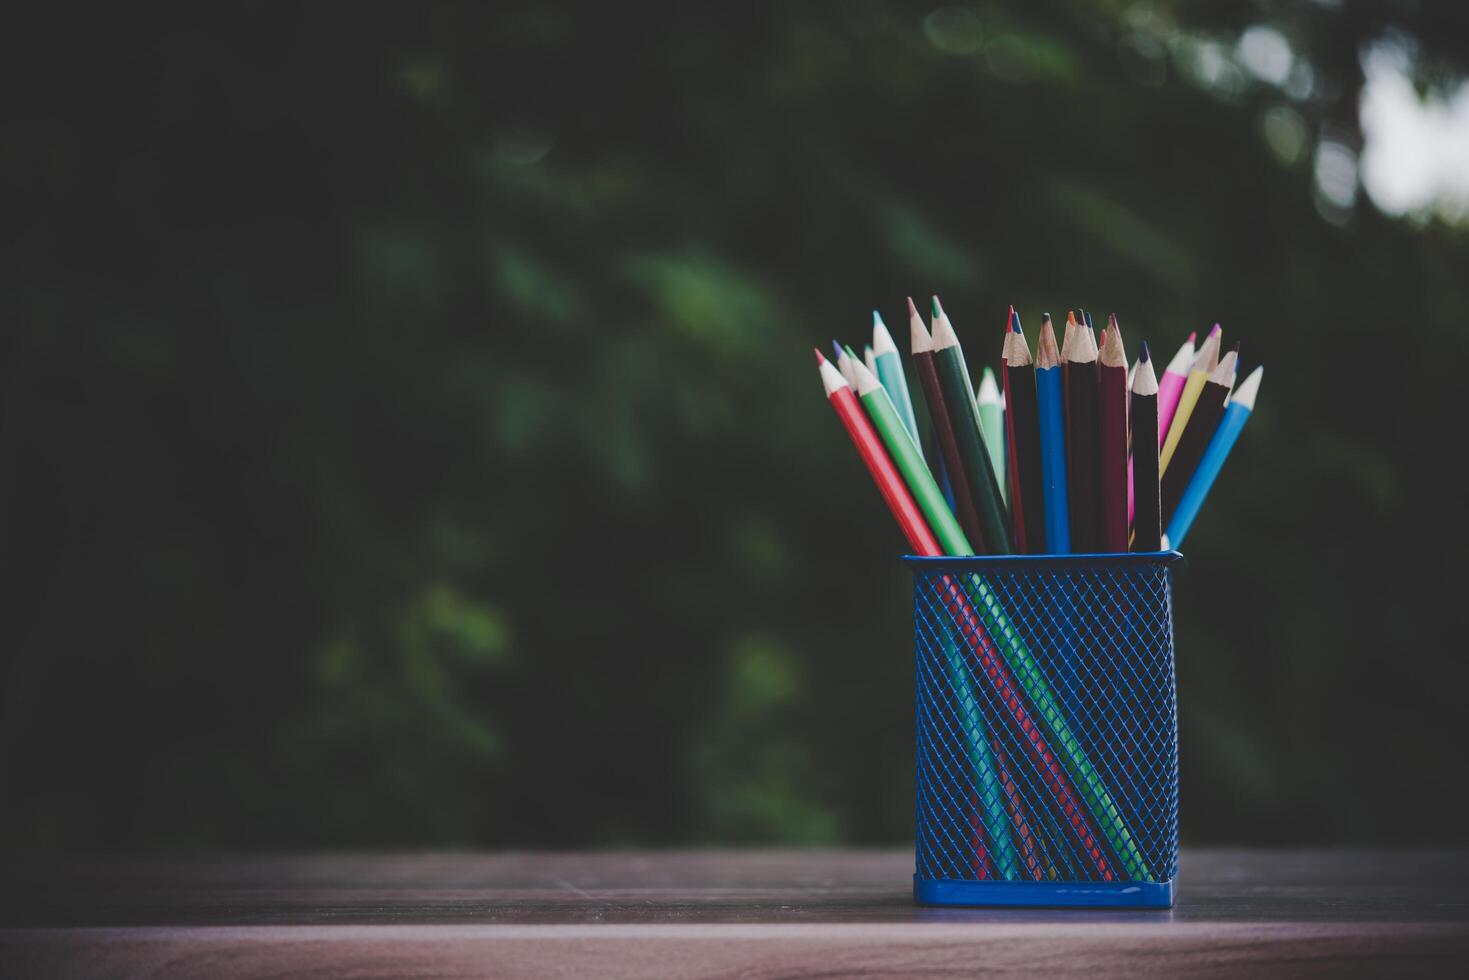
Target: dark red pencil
x,y
1112,439
921,348
1023,442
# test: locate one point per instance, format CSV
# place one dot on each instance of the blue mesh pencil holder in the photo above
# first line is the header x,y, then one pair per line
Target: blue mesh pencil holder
x,y
1047,730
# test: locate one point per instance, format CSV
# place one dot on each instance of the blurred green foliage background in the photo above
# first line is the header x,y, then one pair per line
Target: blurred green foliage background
x,y
410,433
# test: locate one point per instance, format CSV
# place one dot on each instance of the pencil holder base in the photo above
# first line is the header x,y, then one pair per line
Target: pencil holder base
x,y
1069,894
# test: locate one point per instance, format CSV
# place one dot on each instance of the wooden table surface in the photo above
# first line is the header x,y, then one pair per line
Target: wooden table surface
x,y
754,913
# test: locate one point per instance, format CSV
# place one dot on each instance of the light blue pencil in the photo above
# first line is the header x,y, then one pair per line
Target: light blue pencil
x,y
890,373
1236,414
1048,385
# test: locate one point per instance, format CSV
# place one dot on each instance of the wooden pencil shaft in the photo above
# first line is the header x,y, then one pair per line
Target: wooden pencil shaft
x,y
1022,425
888,367
977,636
1053,459
889,481
1112,458
943,430
949,366
915,472
1082,458
1191,445
1148,517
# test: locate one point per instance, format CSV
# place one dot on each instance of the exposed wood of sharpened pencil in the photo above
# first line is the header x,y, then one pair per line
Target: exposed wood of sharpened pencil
x,y
1148,516
888,366
909,460
843,362
1007,664
1170,385
890,482
943,430
948,362
1082,460
1236,413
1196,435
1205,361
1068,337
896,492
987,405
1023,431
1112,439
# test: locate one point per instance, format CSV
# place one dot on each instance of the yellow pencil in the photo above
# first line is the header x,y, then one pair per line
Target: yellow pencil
x,y
1205,361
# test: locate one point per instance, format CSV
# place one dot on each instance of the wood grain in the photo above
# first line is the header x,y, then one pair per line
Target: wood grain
x,y
709,913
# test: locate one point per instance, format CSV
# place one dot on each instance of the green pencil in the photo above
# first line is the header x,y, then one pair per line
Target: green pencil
x,y
1022,664
987,404
888,367
948,362
930,499
909,460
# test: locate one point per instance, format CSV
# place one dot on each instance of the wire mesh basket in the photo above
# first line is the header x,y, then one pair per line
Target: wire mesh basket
x,y
1047,730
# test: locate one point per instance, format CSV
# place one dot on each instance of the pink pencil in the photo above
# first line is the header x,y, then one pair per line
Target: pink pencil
x,y
1170,386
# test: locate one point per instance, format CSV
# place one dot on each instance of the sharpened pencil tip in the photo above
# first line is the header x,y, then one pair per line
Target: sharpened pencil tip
x,y
1193,337
1088,318
1216,331
1045,319
1015,322
838,348
819,358
1142,354
912,310
937,309
877,319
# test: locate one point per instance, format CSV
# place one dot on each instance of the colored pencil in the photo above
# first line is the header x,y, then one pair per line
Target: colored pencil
x,y
987,405
948,362
844,361
1095,340
900,501
910,462
1082,459
1131,503
1236,414
888,366
1148,519
1004,660
1023,439
1052,416
1205,361
951,538
889,481
943,429
1068,337
950,369
1170,385
1112,439
1030,851
1196,435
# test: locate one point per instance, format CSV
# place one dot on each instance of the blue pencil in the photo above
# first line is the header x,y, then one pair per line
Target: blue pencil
x,y
1048,384
890,372
1236,414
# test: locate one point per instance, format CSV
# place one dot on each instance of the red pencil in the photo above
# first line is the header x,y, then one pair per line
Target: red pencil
x,y
1112,439
889,481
